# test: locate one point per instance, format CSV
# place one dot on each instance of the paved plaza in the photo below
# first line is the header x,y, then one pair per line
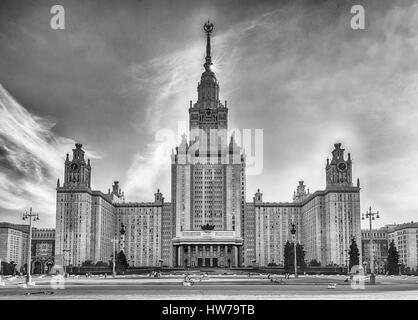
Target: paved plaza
x,y
254,287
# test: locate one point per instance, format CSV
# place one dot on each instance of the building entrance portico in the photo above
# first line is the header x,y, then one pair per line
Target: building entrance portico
x,y
206,255
207,249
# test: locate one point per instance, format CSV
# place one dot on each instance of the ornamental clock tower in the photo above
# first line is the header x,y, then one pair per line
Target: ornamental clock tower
x,y
77,171
338,171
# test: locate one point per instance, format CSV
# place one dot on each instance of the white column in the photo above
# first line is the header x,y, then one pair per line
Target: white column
x,y
235,251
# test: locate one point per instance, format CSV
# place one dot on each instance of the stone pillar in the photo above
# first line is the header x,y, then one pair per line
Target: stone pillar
x,y
189,259
235,252
175,259
203,258
182,256
239,250
226,257
179,264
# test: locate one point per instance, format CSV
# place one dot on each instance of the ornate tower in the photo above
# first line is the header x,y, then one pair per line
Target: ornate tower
x,y
208,180
208,115
338,171
74,240
341,218
77,172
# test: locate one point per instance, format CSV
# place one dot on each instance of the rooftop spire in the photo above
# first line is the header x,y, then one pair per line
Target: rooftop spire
x,y
208,27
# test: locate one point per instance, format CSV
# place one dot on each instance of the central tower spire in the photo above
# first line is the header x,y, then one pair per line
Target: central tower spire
x,y
208,112
208,88
208,27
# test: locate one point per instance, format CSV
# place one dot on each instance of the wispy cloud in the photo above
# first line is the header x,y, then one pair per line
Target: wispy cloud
x,y
165,82
31,159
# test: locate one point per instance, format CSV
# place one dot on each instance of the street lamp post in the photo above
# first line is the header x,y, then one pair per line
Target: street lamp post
x,y
114,257
371,216
293,232
35,217
346,261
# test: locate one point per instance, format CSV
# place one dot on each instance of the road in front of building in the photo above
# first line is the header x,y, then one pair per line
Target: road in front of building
x,y
210,288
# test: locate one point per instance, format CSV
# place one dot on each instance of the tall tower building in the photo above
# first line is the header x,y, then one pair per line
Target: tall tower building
x,y
341,217
208,181
85,219
74,201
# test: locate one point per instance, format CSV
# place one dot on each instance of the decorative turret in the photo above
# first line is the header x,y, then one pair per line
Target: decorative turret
x,y
117,194
258,197
300,194
338,171
158,198
77,172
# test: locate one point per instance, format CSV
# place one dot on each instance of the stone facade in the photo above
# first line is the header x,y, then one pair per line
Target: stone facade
x,y
380,248
43,250
14,243
405,237
325,221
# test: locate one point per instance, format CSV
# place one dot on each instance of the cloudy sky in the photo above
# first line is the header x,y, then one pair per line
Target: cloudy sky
x,y
123,72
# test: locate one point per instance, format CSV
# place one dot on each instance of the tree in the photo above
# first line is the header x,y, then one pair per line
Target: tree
x,y
300,256
289,258
101,264
314,263
13,267
393,259
7,268
121,262
354,254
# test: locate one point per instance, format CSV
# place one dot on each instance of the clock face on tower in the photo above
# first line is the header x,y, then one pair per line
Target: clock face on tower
x,y
342,166
74,166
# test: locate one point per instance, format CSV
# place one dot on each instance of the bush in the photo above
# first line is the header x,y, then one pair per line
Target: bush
x,y
87,263
8,268
314,263
101,264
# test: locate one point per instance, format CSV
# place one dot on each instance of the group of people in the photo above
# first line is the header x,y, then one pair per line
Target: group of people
x,y
155,274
